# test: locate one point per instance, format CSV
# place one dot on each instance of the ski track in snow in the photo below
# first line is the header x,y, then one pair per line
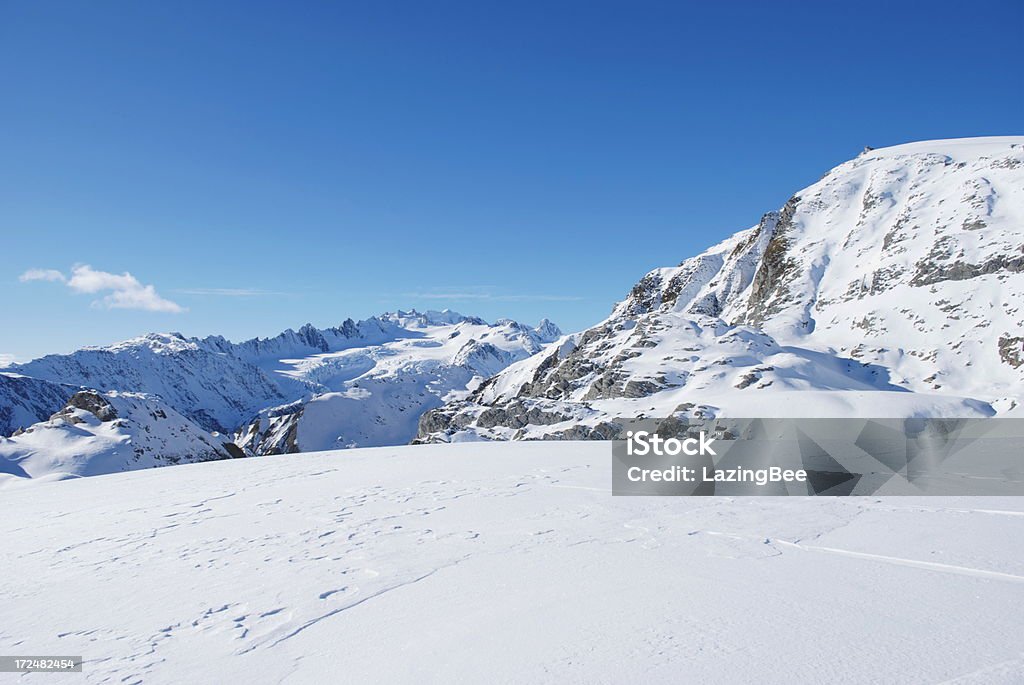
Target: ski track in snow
x,y
928,565
498,562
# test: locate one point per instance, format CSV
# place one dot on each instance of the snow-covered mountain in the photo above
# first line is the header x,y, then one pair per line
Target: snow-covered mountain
x,y
209,380
107,433
373,395
361,383
24,400
891,287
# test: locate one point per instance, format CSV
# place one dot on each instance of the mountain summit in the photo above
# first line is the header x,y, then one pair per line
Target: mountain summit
x,y
890,287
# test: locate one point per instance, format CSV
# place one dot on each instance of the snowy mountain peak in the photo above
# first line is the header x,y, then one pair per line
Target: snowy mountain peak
x,y
548,331
156,343
431,317
891,285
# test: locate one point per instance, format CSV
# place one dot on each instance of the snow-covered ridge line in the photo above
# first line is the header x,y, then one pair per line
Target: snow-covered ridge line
x,y
218,383
307,337
359,384
970,147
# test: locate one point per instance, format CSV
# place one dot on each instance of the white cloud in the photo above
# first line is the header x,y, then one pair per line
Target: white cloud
x,y
7,359
124,290
42,275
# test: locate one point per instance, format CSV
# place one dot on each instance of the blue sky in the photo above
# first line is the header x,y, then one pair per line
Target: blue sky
x,y
258,165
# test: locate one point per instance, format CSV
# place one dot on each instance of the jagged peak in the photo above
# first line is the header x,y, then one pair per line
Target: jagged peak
x,y
548,331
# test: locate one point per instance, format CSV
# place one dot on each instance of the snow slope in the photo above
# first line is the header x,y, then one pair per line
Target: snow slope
x,y
107,433
505,562
890,287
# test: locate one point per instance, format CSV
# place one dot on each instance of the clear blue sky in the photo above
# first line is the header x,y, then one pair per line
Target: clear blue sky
x,y
266,164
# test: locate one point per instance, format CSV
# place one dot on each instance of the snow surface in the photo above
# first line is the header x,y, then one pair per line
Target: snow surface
x,y
499,562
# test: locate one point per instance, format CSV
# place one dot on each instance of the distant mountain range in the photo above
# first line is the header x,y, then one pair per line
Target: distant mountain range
x,y
360,384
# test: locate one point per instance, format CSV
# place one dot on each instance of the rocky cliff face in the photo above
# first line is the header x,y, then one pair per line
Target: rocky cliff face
x,y
892,286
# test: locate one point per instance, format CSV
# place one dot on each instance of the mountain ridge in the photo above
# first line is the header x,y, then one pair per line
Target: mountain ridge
x,y
358,384
90,367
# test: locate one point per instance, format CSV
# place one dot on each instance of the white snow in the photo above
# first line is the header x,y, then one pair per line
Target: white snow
x,y
499,562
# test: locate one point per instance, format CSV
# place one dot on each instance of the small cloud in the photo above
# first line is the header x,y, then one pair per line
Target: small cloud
x,y
228,292
125,291
42,275
7,359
